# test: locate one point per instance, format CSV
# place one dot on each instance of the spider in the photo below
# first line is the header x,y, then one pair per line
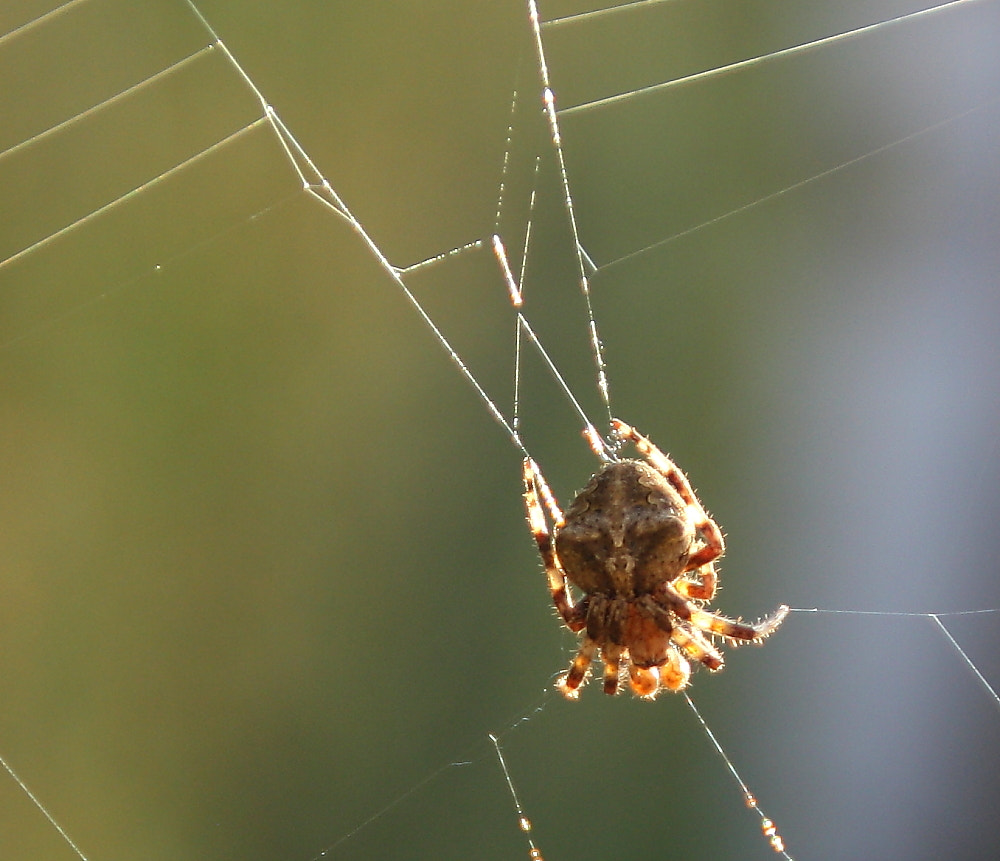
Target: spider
x,y
640,546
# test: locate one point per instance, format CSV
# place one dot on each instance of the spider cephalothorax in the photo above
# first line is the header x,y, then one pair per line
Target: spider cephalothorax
x,y
639,546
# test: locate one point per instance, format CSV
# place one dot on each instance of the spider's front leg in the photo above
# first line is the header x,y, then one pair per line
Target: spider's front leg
x,y
574,615
569,683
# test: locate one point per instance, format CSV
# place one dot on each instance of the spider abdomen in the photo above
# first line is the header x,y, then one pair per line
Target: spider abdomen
x,y
625,532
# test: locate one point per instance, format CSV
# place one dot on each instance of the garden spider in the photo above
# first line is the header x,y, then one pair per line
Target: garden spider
x,y
637,542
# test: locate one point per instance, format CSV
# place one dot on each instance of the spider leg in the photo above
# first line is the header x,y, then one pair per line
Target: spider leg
x,y
534,486
644,681
721,625
611,655
569,684
695,646
714,545
674,674
702,589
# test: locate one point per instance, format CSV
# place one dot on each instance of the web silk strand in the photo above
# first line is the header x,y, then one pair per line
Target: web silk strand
x,y
767,826
549,105
42,808
742,65
323,190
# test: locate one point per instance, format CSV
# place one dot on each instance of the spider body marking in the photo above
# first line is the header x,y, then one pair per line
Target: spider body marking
x,y
641,548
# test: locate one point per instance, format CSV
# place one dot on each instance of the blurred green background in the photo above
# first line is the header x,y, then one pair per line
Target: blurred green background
x,y
263,564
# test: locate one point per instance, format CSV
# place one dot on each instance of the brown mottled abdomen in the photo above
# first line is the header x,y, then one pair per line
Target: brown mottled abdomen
x,y
625,532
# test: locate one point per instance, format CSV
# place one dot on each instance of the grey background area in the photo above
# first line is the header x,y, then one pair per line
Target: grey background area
x,y
263,563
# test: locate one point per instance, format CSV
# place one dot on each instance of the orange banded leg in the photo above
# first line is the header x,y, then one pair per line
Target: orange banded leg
x,y
739,630
696,646
674,674
611,655
569,684
644,681
702,589
534,485
724,627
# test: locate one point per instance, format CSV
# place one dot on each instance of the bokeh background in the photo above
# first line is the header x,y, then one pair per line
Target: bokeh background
x,y
264,574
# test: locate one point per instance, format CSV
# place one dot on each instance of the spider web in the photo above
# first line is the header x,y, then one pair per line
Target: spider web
x,y
253,609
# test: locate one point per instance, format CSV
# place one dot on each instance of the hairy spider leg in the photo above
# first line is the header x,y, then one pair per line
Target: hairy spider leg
x,y
611,655
569,684
714,624
695,646
574,615
534,486
674,674
644,681
702,588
